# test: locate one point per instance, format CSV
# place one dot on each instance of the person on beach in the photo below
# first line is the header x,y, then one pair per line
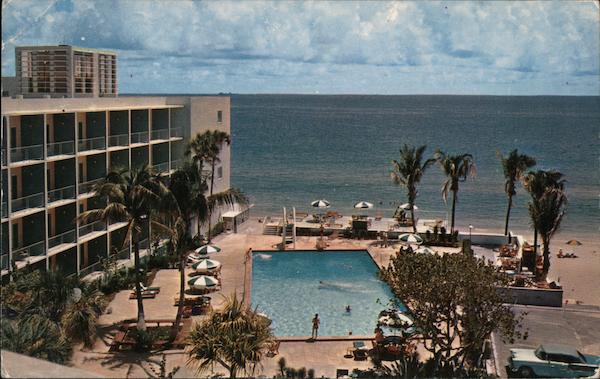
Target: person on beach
x,y
315,326
348,309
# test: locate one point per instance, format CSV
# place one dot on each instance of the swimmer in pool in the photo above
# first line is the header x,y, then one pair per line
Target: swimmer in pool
x,y
348,309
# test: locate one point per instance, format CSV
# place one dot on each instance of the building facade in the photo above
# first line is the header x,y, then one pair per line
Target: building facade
x,y
55,149
65,71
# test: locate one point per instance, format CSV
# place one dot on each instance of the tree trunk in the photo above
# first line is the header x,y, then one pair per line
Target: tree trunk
x,y
175,328
546,264
412,218
212,182
535,240
200,163
453,210
507,215
141,323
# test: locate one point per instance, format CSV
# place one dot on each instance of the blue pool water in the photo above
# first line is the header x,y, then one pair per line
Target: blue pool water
x,y
286,286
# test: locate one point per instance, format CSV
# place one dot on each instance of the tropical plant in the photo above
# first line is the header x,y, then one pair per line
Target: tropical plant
x,y
235,337
546,214
536,183
456,168
36,336
514,166
79,319
132,197
217,139
161,371
408,172
455,302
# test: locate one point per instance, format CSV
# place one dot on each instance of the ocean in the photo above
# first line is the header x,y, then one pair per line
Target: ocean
x,y
289,150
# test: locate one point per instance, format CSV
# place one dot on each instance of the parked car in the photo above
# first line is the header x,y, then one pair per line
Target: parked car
x,y
556,361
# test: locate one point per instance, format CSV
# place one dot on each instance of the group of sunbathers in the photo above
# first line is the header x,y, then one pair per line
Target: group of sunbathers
x,y
565,255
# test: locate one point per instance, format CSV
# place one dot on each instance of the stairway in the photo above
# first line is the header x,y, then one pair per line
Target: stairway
x,y
272,230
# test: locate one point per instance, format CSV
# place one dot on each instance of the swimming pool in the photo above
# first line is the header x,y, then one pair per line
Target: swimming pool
x,y
290,287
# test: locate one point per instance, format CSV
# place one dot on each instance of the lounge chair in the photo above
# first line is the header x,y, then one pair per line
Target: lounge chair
x,y
145,295
150,289
360,352
341,372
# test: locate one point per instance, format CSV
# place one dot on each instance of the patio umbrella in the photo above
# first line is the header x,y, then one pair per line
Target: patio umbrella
x,y
410,238
203,282
206,265
406,206
574,243
363,205
320,204
207,249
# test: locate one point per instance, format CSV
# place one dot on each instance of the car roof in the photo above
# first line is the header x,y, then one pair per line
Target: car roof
x,y
559,349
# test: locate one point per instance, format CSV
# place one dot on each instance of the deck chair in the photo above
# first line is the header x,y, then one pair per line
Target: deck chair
x,y
341,372
360,351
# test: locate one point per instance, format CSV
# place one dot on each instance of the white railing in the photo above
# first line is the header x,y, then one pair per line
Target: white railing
x,y
97,143
139,137
4,209
160,134
61,194
34,250
123,253
5,260
4,162
91,268
61,148
87,187
67,237
176,132
161,167
177,163
31,201
97,226
118,140
25,153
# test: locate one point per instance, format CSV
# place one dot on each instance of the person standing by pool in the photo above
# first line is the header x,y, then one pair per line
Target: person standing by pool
x,y
315,326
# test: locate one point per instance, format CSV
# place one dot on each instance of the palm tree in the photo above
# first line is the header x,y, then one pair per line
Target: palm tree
x,y
536,183
235,337
132,198
217,139
37,337
546,215
200,151
408,172
514,166
456,168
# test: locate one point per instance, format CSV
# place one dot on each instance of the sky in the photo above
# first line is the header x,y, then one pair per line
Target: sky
x,y
339,47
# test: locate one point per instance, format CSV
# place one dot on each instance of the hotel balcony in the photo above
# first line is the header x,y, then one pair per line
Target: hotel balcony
x,y
161,168
123,254
5,262
160,135
4,157
31,202
60,196
139,138
91,144
120,140
60,149
62,242
4,209
86,188
91,230
27,154
29,254
176,132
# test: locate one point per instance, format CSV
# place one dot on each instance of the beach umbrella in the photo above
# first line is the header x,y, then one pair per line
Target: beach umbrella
x,y
207,249
363,205
320,204
206,265
406,206
410,238
424,250
203,282
574,243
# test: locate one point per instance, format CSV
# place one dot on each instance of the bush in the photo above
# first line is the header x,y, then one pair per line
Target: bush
x,y
217,229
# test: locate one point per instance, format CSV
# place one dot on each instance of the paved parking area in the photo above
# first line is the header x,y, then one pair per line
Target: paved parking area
x,y
573,325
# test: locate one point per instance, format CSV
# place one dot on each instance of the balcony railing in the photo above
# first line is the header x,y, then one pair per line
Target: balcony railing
x,y
4,209
64,193
161,167
31,201
177,163
123,253
34,250
61,148
176,132
160,134
5,260
144,244
25,153
67,237
97,226
140,137
118,140
97,143
4,162
87,187
89,269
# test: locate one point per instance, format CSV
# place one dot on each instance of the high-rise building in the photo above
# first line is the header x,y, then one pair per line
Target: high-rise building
x,y
55,149
65,71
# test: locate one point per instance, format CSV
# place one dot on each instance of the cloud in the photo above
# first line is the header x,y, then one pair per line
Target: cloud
x,y
372,47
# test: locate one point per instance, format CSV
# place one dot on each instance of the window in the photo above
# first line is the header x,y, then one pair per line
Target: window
x,y
220,172
219,116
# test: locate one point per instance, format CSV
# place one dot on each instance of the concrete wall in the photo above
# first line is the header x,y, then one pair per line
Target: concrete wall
x,y
10,86
533,296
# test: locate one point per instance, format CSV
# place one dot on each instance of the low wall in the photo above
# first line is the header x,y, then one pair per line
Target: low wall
x,y
489,239
533,296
